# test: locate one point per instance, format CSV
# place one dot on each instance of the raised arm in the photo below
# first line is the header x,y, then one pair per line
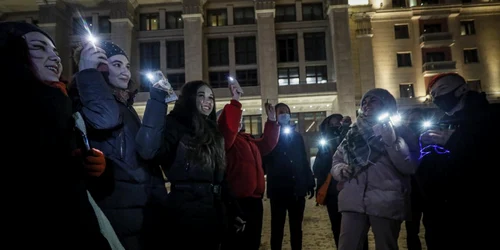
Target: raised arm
x,y
153,133
229,122
269,139
99,107
339,166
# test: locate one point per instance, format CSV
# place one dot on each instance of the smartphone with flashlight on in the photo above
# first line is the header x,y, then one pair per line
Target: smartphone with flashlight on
x,y
232,81
159,81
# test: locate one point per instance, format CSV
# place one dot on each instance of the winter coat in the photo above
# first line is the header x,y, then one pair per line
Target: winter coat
x,y
195,205
59,182
245,174
458,184
130,190
288,169
383,188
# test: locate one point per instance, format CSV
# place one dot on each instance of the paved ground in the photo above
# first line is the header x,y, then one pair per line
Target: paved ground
x,y
317,234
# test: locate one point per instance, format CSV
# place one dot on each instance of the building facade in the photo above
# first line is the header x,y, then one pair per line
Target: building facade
x,y
317,56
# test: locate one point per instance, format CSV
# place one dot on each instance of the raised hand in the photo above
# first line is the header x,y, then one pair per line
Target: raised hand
x,y
91,57
270,112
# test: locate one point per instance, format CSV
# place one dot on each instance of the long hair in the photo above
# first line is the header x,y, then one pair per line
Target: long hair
x,y
206,145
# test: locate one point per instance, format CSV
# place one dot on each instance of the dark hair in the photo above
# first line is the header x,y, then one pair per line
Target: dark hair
x,y
283,105
326,121
206,144
19,67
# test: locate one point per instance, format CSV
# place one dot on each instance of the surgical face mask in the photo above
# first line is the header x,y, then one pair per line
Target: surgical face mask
x,y
447,101
284,119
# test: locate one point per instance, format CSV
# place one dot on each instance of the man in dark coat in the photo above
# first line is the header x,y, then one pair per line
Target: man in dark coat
x,y
456,158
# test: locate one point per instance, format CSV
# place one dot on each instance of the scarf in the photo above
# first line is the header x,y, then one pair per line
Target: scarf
x,y
121,95
361,147
58,85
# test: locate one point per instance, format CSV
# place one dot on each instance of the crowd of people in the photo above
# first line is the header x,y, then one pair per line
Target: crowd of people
x,y
99,170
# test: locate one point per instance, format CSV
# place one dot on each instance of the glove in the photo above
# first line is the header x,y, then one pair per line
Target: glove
x,y
94,164
239,224
439,137
310,192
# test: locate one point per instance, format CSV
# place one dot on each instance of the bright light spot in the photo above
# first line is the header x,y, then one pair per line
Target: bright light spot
x,y
244,109
230,78
293,106
427,124
396,119
322,142
150,76
92,39
383,116
287,130
260,109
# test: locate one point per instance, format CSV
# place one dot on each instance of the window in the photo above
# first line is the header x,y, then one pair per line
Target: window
x,y
475,85
104,25
149,60
287,48
406,91
218,52
470,56
288,76
175,54
312,12
435,57
217,17
404,59
398,3
312,120
316,74
244,16
401,31
218,79
80,25
245,50
174,20
467,28
314,46
253,124
427,2
176,80
149,21
432,28
285,13
247,77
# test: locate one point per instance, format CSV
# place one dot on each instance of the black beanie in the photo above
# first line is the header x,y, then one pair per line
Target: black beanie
x,y
18,29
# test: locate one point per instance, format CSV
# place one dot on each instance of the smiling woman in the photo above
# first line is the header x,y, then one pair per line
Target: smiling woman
x,y
44,56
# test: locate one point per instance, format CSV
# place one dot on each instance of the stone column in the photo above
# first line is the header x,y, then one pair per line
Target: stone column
x,y
266,49
302,56
163,56
232,56
193,39
55,19
338,22
364,35
121,19
162,19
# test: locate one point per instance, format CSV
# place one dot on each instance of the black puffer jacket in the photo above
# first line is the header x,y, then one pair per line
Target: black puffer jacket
x,y
131,190
198,198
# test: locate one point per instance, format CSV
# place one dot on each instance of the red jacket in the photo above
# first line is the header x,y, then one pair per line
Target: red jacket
x,y
244,172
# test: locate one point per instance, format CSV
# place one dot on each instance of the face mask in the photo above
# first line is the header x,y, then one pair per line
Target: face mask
x,y
447,101
284,119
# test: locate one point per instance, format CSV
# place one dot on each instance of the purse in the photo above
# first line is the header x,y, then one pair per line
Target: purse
x,y
323,190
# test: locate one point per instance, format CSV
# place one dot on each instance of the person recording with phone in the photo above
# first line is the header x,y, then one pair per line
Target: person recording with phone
x,y
131,190
245,175
375,162
289,181
457,180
